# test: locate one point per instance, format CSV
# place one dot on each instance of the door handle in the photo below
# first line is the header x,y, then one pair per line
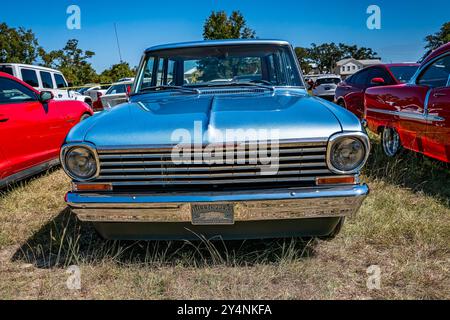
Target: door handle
x,y
4,120
437,95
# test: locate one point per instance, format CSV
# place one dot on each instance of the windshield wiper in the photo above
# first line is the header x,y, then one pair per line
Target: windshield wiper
x,y
239,84
167,87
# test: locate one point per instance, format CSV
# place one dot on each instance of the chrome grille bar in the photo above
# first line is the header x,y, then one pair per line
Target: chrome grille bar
x,y
297,162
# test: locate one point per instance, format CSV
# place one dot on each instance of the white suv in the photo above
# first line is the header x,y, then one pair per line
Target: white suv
x,y
44,79
325,86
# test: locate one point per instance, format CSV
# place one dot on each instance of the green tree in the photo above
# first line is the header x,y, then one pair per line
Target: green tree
x,y
116,72
438,39
220,26
303,57
325,56
72,62
17,45
358,53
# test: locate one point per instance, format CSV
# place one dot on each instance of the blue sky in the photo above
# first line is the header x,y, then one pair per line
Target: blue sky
x,y
142,24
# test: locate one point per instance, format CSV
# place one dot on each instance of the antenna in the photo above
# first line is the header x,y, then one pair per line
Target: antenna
x,y
118,43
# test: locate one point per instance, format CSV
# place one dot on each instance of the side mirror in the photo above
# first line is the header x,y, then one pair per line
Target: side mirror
x,y
377,81
45,96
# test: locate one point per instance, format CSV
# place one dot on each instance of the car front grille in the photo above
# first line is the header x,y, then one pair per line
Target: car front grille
x,y
298,163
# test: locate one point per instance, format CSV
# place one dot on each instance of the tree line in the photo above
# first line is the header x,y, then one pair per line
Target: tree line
x,y
19,45
324,56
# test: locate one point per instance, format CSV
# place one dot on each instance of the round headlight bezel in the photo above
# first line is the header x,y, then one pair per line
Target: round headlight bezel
x,y
358,136
65,151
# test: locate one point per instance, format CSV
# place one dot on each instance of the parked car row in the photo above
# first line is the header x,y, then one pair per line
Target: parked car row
x,y
44,79
125,179
408,104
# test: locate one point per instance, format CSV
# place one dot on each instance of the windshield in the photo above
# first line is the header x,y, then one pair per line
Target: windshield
x,y
404,73
328,81
220,65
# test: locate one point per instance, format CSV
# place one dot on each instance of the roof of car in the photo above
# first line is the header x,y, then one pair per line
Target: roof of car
x,y
211,43
122,82
21,65
8,76
403,64
324,76
443,49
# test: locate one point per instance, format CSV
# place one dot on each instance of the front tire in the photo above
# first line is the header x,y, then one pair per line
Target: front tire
x,y
390,141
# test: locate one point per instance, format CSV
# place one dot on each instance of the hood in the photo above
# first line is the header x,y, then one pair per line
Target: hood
x,y
169,119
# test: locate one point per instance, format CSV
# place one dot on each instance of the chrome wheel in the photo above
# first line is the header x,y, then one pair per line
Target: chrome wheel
x,y
391,142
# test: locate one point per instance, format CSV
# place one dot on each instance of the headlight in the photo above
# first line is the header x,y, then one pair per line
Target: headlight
x,y
80,163
347,154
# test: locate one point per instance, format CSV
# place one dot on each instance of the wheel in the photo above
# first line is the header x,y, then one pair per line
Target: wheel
x,y
84,117
390,141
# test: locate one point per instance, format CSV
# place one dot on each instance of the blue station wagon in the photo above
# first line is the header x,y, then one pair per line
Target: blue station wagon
x,y
218,139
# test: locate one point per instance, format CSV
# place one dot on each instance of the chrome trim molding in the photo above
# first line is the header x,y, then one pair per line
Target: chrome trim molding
x,y
228,42
358,135
164,147
409,115
260,205
86,145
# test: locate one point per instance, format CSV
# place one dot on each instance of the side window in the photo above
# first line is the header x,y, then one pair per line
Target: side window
x,y
147,76
47,81
437,75
349,80
117,89
30,77
378,73
360,78
160,72
60,82
13,92
7,70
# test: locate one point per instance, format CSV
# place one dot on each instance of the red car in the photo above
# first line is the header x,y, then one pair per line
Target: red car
x,y
33,127
350,93
416,115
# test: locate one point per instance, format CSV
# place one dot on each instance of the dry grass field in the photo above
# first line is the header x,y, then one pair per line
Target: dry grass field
x,y
403,227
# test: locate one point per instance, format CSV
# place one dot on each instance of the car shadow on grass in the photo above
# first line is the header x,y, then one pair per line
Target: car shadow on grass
x,y
410,170
66,241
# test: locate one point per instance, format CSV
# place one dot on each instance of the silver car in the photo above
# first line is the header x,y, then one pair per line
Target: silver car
x,y
325,86
116,94
250,156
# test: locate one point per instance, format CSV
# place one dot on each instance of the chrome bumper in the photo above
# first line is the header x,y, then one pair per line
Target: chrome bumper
x,y
285,204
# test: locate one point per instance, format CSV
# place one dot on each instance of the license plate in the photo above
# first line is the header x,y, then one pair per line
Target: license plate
x,y
212,214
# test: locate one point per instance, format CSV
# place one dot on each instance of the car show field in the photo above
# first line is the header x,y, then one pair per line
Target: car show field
x,y
403,228
225,159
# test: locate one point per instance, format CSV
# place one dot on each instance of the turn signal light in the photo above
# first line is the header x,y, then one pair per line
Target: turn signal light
x,y
82,187
336,180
